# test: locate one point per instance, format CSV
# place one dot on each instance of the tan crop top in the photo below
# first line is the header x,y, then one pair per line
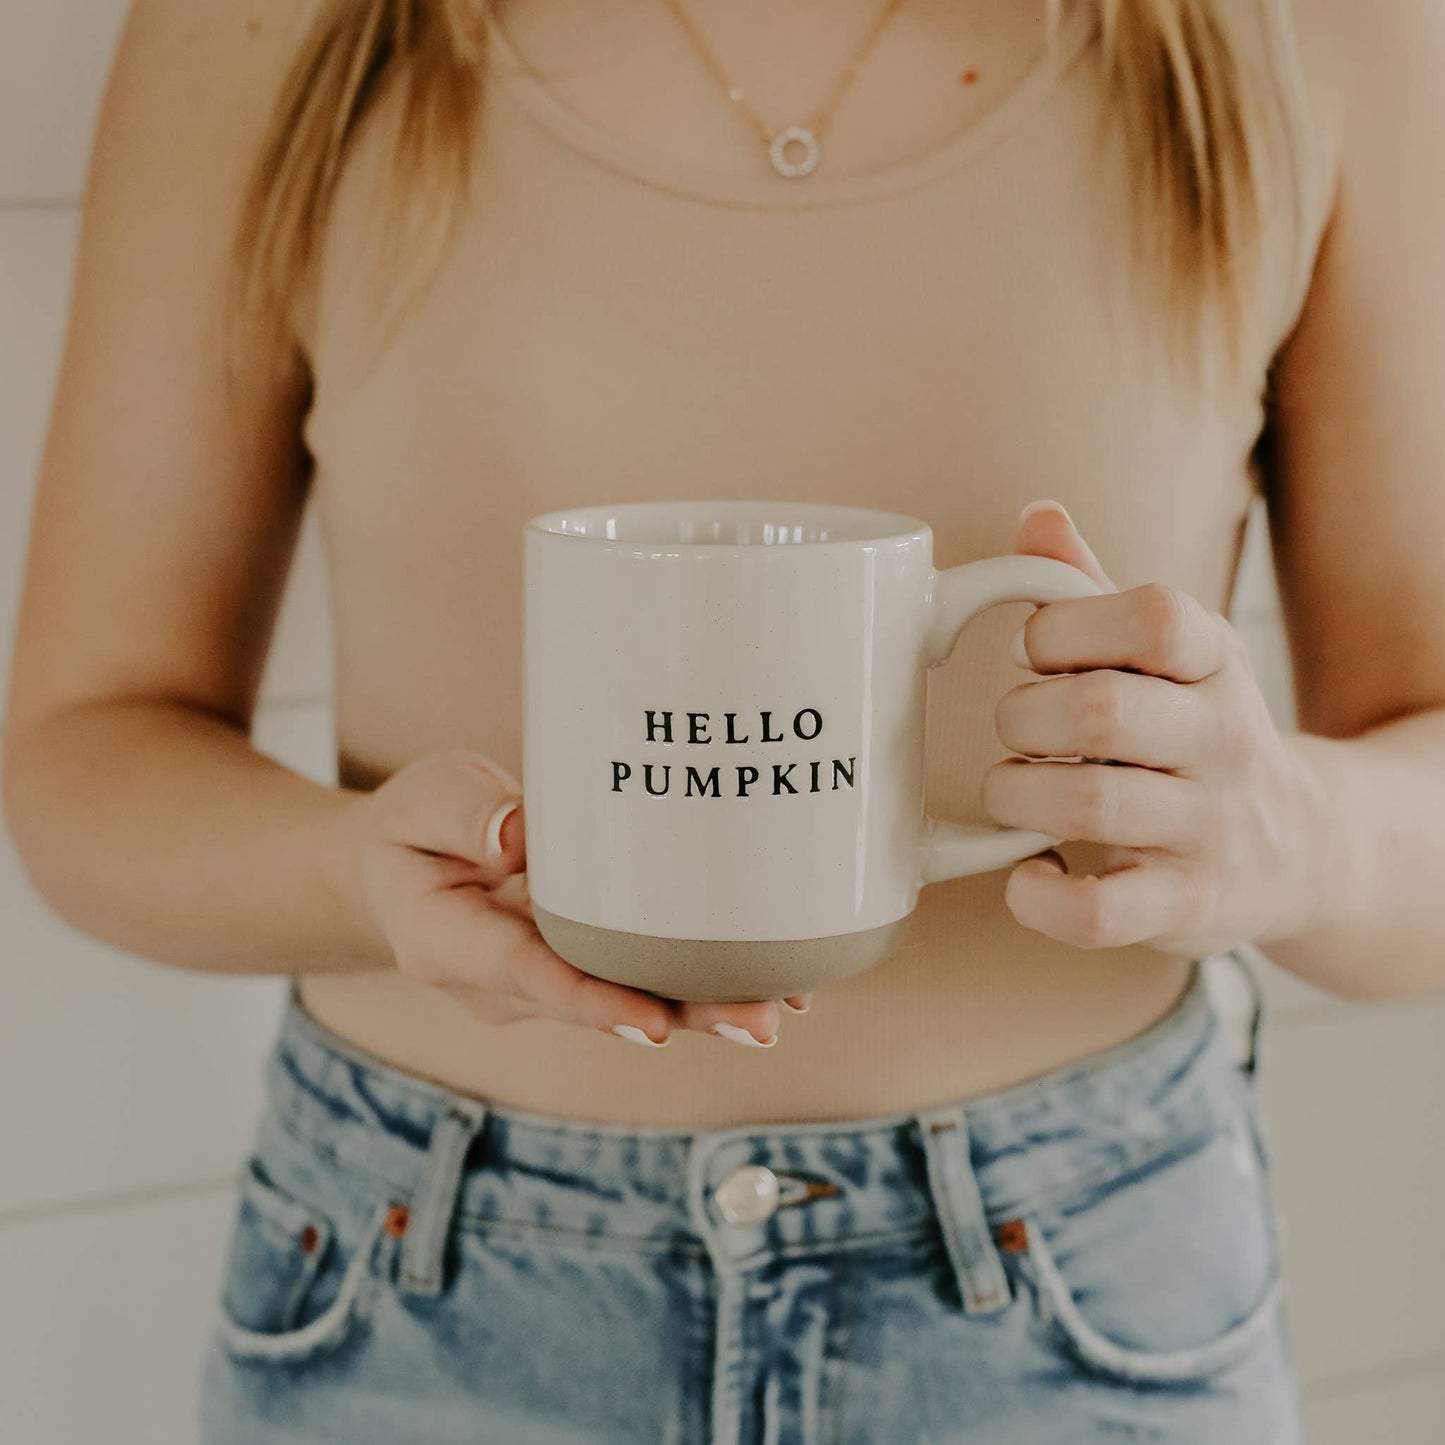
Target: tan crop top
x,y
952,336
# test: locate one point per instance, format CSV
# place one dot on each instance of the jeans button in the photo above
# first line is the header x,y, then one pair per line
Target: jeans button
x,y
748,1195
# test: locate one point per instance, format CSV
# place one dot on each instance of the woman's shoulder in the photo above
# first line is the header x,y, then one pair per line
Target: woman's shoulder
x,y
192,89
208,52
193,84
1355,85
1365,67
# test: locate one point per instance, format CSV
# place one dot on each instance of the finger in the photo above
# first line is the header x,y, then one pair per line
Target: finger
x,y
511,893
463,805
755,1024
474,947
539,986
1095,802
1156,629
563,991
1139,902
512,898
1105,713
1047,530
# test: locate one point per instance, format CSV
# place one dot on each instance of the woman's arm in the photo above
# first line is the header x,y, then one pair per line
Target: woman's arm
x,y
1357,503
163,531
1325,845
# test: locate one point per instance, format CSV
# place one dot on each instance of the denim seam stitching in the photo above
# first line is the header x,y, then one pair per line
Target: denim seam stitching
x,y
481,1227
849,1244
478,1227
842,1376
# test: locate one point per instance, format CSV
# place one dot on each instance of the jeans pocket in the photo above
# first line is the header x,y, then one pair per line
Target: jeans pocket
x,y
296,1278
1167,1274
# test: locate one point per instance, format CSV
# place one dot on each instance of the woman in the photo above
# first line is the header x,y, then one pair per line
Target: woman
x,y
938,255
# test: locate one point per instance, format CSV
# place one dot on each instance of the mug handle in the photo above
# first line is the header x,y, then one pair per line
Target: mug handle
x,y
954,850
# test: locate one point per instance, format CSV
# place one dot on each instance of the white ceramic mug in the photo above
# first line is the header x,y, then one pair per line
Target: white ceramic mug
x,y
723,735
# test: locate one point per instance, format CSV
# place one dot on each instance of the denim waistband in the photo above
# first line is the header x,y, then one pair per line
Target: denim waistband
x,y
468,1163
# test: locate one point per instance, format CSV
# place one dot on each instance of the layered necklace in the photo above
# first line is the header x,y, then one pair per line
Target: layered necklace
x,y
795,150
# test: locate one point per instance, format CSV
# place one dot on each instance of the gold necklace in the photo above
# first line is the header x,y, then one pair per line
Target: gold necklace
x,y
793,137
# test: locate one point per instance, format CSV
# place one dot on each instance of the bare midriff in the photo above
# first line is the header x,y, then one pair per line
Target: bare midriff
x,y
970,1003
937,1022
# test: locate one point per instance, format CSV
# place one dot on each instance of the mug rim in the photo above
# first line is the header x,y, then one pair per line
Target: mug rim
x,y
884,526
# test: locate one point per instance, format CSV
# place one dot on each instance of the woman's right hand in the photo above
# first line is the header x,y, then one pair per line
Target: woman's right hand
x,y
436,858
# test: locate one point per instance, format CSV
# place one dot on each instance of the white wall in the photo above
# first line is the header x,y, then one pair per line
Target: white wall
x,y
127,1092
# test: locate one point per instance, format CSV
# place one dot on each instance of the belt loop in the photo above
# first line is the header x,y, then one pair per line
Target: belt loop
x,y
429,1218
982,1282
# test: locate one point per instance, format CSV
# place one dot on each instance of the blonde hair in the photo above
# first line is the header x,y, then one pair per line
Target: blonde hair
x,y
1174,91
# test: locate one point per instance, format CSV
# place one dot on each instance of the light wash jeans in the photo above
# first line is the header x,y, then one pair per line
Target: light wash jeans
x,y
1088,1257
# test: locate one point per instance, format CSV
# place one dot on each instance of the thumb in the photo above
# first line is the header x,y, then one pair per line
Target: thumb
x,y
1047,530
504,842
463,805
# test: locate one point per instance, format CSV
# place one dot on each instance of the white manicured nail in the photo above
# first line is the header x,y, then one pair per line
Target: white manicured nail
x,y
635,1035
493,844
793,1008
1018,652
1041,504
742,1036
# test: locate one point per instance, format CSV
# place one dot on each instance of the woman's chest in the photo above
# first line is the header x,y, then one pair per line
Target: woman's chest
x,y
954,353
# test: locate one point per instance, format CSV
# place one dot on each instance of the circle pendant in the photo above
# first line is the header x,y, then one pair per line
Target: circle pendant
x,y
795,135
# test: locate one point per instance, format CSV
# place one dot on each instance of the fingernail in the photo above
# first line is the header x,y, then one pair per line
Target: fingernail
x,y
492,848
742,1036
793,1008
635,1035
1046,502
1018,652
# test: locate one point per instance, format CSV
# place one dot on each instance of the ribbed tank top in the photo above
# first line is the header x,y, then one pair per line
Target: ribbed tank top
x,y
952,336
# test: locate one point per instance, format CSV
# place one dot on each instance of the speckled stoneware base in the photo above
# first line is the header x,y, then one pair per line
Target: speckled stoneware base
x,y
718,970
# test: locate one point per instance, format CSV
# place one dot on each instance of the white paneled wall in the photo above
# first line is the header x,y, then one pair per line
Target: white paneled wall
x,y
127,1091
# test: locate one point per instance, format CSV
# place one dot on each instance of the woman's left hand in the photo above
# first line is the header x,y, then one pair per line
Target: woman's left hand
x,y
1213,822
